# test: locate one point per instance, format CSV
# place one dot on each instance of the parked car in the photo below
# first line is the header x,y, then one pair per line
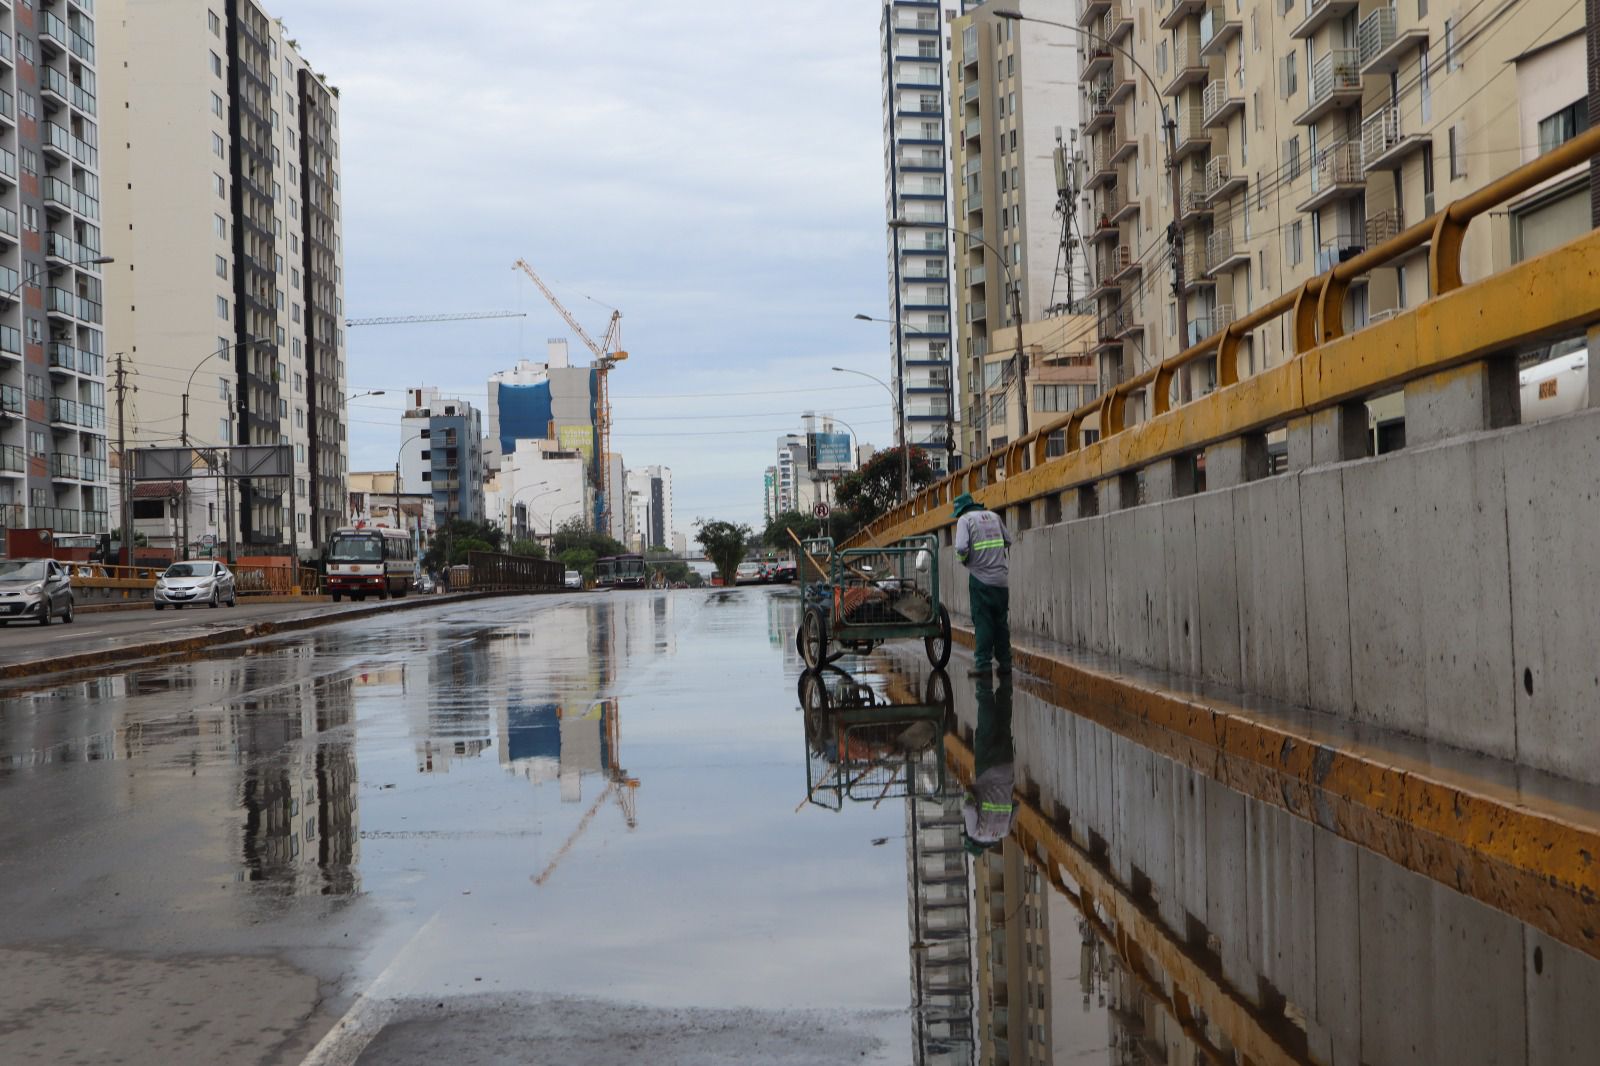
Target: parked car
x,y
572,579
423,583
787,574
34,590
747,574
200,581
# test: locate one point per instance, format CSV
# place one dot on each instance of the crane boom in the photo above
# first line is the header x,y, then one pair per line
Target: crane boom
x,y
583,334
400,320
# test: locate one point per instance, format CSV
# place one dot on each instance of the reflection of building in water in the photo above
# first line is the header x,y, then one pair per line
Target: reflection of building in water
x,y
298,785
456,685
545,741
939,903
1015,991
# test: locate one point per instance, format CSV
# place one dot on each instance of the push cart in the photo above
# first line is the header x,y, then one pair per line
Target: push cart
x,y
864,747
873,595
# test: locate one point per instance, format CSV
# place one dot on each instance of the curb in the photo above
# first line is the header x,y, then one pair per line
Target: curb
x,y
166,649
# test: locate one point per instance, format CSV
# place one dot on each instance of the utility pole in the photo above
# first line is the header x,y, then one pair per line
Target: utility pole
x,y
1175,242
124,465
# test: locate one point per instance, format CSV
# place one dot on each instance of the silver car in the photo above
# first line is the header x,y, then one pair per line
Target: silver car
x,y
34,590
202,581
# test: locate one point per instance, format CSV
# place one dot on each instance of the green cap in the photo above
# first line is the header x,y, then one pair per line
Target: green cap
x,y
963,504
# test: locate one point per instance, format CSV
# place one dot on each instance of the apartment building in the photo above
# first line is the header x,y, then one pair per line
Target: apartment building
x,y
441,450
222,169
916,192
53,455
1015,96
1302,132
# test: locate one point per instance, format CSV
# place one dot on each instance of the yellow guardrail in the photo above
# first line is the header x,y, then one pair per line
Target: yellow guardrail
x,y
1537,300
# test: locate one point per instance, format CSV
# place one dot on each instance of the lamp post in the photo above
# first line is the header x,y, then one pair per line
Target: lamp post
x,y
398,520
900,417
1175,231
183,437
1016,304
550,519
901,325
530,503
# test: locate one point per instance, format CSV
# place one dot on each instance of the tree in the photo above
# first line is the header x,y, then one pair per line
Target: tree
x,y
776,535
456,537
724,544
872,490
529,548
575,533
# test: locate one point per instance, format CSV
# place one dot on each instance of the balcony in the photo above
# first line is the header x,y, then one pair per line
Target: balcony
x,y
1335,84
1384,145
1101,112
62,356
1126,264
1191,134
925,159
1105,282
11,400
56,139
1096,60
1188,65
1337,249
1101,170
13,460
1122,83
1336,175
52,33
1123,144
1109,327
1090,11
1383,45
60,246
973,129
1192,202
1182,9
978,275
1216,30
1321,12
1223,252
977,311
60,302
1218,105
63,412
65,465
1383,226
1220,179
1126,211
1105,229
53,88
1117,23
1194,269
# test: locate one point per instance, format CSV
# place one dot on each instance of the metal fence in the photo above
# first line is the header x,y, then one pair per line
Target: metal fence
x,y
492,571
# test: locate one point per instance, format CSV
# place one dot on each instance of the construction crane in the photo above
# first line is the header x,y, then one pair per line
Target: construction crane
x,y
406,320
607,354
618,785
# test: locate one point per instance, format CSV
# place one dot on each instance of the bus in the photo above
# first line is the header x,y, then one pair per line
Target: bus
x,y
620,572
370,561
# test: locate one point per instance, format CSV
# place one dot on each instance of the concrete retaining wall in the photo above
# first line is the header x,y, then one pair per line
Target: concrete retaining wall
x,y
1450,591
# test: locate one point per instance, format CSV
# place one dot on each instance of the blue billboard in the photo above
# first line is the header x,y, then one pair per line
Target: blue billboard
x,y
830,451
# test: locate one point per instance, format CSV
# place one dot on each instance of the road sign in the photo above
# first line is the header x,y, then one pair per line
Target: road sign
x,y
820,510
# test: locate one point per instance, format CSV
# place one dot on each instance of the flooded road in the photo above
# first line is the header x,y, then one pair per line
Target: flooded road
x,y
623,827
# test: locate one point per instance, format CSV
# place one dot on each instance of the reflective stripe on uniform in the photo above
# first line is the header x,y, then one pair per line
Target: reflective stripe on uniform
x,y
997,808
997,542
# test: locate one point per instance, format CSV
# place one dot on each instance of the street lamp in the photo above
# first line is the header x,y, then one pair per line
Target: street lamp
x,y
359,395
398,520
900,415
905,328
1171,129
530,503
183,437
550,519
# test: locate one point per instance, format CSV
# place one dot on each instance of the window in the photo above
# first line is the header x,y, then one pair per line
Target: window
x,y
221,184
220,226
25,48
1172,320
299,383
1425,88
283,373
216,64
1291,249
1291,155
1255,33
27,105
30,218
1422,8
216,105
30,161
222,307
299,418
283,408
1562,126
300,453
1452,58
1289,82
1458,151
214,23
219,147
294,277
222,267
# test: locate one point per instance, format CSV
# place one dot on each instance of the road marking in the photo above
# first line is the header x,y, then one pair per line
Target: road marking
x,y
361,1024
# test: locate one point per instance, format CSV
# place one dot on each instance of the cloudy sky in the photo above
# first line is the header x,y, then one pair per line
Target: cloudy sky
x,y
712,169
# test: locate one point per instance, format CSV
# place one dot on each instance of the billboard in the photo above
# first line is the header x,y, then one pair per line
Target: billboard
x,y
577,439
830,451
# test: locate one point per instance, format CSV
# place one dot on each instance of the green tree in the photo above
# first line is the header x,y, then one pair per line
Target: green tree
x,y
529,548
458,537
724,544
776,534
577,533
579,559
872,490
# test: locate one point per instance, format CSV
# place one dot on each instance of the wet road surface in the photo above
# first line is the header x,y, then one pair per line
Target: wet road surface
x,y
624,828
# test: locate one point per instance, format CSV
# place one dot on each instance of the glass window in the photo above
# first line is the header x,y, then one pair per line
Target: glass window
x,y
222,267
214,23
216,105
220,225
1562,126
216,64
222,307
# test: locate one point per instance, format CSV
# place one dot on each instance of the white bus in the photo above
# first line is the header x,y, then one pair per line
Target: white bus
x,y
374,560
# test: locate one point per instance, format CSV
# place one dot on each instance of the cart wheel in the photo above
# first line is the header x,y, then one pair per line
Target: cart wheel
x,y
937,691
814,639
813,693
939,646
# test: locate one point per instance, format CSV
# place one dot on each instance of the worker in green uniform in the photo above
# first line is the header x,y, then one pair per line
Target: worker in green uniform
x,y
989,808
981,545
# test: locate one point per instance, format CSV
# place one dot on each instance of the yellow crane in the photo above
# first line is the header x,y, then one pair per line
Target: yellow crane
x,y
619,785
607,354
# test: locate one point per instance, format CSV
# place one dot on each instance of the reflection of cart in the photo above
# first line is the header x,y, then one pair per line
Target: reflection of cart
x,y
862,749
873,595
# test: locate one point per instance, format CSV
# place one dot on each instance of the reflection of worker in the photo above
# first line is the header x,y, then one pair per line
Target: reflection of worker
x,y
981,543
987,810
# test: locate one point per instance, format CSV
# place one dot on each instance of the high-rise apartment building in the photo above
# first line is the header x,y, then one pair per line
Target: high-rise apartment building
x,y
222,173
1304,131
52,350
916,173
441,450
1014,93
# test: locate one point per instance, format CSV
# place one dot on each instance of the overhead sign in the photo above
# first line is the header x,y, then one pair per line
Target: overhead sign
x,y
820,510
237,460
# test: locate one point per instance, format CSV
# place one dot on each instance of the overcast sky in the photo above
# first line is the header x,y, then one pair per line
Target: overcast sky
x,y
714,170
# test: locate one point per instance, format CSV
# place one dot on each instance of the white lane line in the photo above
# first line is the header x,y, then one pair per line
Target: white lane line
x,y
367,1016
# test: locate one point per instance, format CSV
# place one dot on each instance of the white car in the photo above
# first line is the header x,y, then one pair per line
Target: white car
x,y
34,590
201,581
572,579
747,574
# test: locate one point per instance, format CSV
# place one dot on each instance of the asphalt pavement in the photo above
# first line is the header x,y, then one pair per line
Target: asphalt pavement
x,y
557,829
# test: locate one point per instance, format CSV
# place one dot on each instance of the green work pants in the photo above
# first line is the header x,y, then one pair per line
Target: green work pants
x,y
991,624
